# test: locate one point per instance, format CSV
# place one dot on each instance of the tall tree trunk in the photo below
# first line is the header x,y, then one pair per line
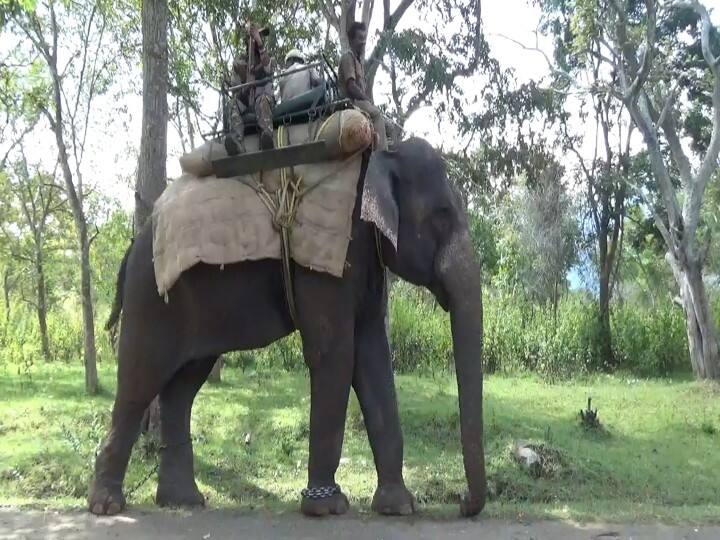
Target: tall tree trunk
x,y
42,306
75,198
151,178
6,293
92,385
606,351
91,378
699,320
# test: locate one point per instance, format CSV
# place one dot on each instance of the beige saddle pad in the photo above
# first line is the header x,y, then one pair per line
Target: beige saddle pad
x,y
223,220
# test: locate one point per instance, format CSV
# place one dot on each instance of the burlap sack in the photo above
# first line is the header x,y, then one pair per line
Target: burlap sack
x,y
222,221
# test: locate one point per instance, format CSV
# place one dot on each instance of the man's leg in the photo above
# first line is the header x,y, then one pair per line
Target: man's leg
x,y
263,112
234,138
378,121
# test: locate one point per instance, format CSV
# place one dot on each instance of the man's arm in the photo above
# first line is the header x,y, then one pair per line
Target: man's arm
x,y
264,68
354,91
263,55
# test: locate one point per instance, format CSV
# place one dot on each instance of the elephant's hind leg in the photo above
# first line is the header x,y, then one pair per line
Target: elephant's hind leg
x,y
141,376
106,495
176,477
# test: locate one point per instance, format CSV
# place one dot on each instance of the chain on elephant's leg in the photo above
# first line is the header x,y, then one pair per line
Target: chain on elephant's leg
x,y
330,380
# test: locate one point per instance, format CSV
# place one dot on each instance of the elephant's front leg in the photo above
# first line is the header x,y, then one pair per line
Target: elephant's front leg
x,y
374,385
327,337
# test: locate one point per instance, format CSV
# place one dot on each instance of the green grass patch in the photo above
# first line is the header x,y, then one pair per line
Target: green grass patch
x,y
655,458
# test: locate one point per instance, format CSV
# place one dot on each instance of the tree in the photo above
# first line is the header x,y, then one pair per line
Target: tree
x,y
605,175
548,233
152,174
74,79
656,76
421,63
29,204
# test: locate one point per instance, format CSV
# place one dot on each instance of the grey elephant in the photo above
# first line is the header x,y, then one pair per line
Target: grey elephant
x,y
169,349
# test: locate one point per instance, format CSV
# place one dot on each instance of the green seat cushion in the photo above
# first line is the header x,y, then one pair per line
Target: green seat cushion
x,y
293,107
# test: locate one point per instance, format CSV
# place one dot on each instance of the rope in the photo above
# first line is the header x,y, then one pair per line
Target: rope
x,y
284,218
283,206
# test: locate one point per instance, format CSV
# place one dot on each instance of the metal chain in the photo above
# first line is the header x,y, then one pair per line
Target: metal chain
x,y
155,468
322,492
142,482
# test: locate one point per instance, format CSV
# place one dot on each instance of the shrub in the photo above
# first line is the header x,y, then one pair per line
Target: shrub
x,y
419,332
650,341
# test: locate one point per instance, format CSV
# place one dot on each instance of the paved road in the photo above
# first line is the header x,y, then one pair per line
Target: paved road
x,y
215,525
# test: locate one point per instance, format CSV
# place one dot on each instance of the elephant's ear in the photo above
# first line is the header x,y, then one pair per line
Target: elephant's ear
x,y
378,202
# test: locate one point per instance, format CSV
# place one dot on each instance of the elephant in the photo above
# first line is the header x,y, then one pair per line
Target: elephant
x,y
168,349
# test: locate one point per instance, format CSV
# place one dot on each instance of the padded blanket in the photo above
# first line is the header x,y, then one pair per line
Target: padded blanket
x,y
223,220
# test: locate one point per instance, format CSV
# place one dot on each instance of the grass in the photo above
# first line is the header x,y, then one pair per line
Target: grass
x,y
656,458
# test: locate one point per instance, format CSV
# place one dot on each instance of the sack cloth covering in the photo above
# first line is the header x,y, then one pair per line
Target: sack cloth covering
x,y
223,220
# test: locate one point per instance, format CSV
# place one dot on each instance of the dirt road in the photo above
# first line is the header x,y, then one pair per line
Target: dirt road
x,y
215,525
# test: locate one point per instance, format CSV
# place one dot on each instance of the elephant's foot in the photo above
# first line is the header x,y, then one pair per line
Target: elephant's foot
x,y
393,500
105,500
175,494
334,504
470,507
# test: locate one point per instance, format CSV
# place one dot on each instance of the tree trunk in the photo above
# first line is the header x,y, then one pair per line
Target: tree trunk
x,y
214,376
6,293
190,128
76,203
699,321
42,307
151,177
75,198
606,351
92,386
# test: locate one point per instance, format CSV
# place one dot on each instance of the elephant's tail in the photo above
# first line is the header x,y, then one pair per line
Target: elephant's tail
x,y
114,318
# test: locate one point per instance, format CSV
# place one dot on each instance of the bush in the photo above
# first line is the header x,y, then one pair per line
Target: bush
x,y
518,337
650,341
419,332
521,337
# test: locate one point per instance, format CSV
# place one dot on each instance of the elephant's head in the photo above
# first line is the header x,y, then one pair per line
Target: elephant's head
x,y
427,242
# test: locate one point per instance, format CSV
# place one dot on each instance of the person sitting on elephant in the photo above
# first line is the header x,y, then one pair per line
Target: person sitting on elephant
x,y
351,78
255,65
297,82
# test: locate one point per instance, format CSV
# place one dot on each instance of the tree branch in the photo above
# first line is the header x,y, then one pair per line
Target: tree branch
x,y
390,22
367,9
328,9
647,53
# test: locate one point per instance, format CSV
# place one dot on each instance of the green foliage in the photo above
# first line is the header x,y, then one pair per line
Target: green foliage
x,y
419,332
521,337
652,341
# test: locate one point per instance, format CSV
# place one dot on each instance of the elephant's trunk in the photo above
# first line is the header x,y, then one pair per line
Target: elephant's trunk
x,y
460,276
